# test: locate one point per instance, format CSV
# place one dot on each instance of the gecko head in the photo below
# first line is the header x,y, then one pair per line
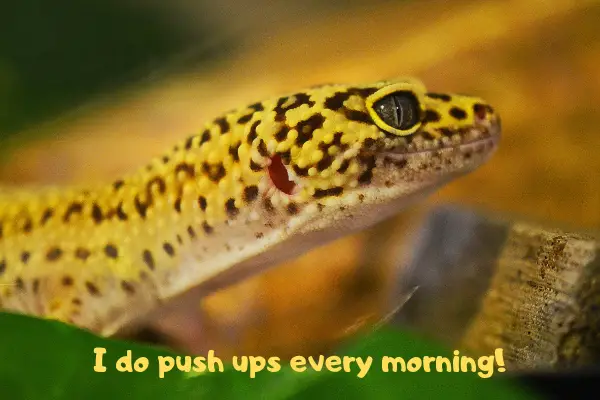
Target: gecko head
x,y
377,146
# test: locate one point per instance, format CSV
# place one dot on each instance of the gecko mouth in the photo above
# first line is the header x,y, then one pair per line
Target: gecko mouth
x,y
481,138
480,143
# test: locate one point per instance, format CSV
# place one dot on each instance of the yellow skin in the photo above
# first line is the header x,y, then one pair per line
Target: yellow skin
x,y
209,211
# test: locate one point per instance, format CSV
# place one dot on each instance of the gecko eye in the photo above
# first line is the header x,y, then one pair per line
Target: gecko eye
x,y
399,110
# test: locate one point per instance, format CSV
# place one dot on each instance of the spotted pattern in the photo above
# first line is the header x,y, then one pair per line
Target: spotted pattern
x,y
256,167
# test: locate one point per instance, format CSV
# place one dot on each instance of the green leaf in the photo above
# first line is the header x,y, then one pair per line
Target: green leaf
x,y
49,360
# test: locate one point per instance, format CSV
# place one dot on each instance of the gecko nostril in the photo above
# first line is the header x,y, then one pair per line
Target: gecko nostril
x,y
480,111
483,111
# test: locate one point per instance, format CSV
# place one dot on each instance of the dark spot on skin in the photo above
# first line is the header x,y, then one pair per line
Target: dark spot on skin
x,y
467,155
320,206
231,209
140,207
358,116
127,287
337,139
458,113
439,96
191,232
207,228
335,191
369,142
255,166
67,280
35,285
292,208
92,289
19,284
364,92
258,235
282,133
367,159
344,166
25,257
250,193
245,118
361,197
120,213
27,225
252,134
189,143
299,99
187,169
179,239
111,251
215,172
97,213
256,107
76,301
365,177
54,254
431,116
82,253
118,184
336,101
148,259
177,204
159,183
2,266
427,135
300,171
72,209
223,125
325,162
233,152
46,216
202,203
324,147
168,248
262,149
268,205
286,157
165,159
307,127
446,132
205,136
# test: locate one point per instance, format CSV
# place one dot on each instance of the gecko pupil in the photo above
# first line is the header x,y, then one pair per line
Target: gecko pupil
x,y
400,110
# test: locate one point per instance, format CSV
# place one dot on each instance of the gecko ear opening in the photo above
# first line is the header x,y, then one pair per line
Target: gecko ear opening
x,y
396,109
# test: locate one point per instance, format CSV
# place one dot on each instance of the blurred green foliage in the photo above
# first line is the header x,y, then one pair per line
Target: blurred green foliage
x,y
55,55
50,360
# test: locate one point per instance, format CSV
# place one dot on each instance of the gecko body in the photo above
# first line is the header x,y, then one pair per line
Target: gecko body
x,y
254,187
